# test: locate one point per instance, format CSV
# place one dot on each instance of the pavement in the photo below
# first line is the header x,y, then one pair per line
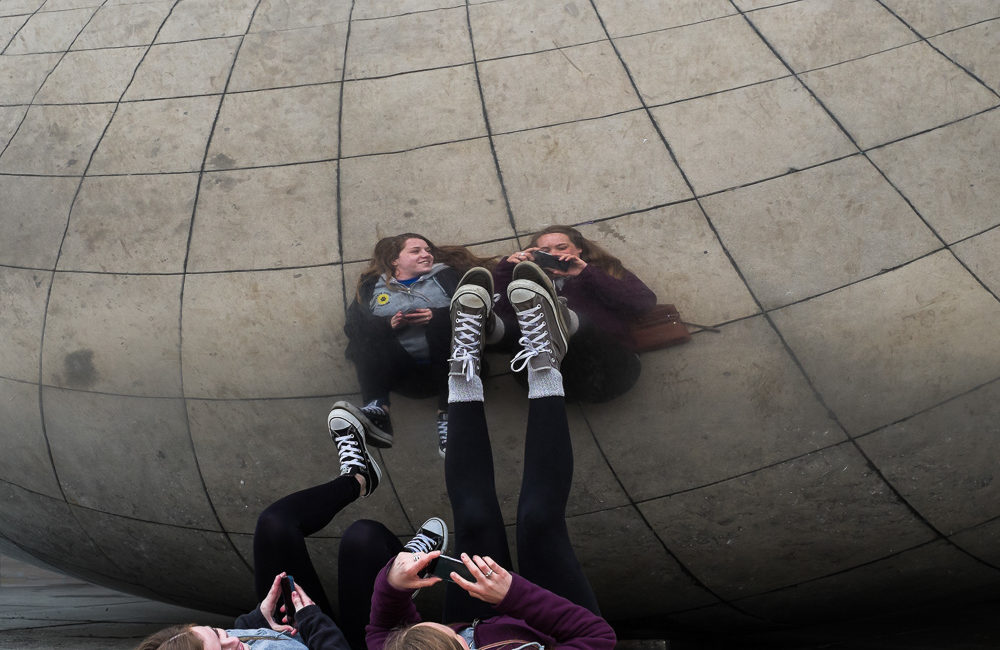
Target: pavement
x,y
42,609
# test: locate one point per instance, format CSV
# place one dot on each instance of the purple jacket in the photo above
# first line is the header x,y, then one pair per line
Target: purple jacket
x,y
527,614
601,301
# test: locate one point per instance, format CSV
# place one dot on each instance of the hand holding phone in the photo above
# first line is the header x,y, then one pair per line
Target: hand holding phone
x,y
544,259
442,566
287,587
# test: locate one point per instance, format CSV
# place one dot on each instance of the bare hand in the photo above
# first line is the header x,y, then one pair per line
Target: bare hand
x,y
270,602
521,256
300,598
576,265
492,580
406,568
418,316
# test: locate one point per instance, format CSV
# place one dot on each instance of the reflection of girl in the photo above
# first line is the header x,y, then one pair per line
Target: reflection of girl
x,y
398,328
604,295
551,602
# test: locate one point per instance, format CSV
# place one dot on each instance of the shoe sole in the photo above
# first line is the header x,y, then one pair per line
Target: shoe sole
x,y
444,542
485,275
373,435
482,296
539,290
354,422
444,532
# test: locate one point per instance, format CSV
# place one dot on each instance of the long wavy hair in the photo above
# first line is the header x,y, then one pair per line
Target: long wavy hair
x,y
175,637
592,252
421,637
387,250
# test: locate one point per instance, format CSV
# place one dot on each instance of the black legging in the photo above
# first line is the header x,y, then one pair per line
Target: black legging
x,y
385,368
279,544
544,552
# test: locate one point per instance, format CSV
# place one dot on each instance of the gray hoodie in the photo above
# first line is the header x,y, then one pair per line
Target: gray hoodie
x,y
426,292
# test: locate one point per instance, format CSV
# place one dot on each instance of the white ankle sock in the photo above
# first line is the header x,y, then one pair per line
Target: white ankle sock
x,y
544,383
461,389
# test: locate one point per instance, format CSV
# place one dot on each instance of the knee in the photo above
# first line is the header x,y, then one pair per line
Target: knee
x,y
274,530
364,535
271,522
537,523
476,516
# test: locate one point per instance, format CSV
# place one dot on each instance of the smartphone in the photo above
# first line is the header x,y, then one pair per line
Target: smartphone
x,y
544,259
442,566
287,587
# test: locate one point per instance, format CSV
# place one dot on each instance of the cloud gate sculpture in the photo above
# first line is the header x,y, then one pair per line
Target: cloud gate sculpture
x,y
189,190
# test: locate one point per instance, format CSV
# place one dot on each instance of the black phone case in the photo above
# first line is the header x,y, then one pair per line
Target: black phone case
x,y
286,596
544,259
442,566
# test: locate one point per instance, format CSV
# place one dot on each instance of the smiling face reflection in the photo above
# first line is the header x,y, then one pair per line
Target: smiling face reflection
x,y
414,260
215,638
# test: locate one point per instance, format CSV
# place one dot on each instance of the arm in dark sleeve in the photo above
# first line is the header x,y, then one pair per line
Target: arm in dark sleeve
x,y
391,608
362,327
568,623
251,621
318,631
629,295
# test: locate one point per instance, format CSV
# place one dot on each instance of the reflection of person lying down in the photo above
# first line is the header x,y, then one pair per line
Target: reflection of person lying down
x,y
398,328
550,601
602,299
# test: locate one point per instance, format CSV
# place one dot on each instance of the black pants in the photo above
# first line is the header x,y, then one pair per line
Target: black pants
x,y
389,367
545,555
596,368
279,544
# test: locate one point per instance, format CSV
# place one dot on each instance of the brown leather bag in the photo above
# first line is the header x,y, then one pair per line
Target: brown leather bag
x,y
660,327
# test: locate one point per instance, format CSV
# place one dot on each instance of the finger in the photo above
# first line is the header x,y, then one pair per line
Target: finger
x,y
464,584
480,564
491,570
429,581
421,560
469,562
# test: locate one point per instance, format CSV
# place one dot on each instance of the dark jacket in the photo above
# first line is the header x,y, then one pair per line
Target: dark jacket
x,y
316,630
527,614
367,331
601,301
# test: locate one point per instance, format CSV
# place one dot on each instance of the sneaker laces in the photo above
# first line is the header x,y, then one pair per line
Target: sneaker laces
x,y
350,453
442,425
421,544
534,337
468,334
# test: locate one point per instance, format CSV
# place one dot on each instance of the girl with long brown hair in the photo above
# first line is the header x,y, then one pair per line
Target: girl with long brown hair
x,y
602,298
399,331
